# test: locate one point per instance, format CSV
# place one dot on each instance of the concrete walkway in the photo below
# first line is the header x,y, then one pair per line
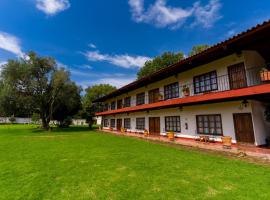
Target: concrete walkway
x,y
239,150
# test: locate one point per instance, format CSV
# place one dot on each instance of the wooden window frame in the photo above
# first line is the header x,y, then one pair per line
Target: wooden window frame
x,y
142,125
113,105
106,123
127,123
210,82
119,103
171,91
127,102
113,123
140,99
153,95
169,121
208,122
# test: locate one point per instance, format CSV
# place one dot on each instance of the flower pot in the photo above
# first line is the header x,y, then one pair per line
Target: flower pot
x,y
227,142
186,93
170,136
160,97
265,75
146,133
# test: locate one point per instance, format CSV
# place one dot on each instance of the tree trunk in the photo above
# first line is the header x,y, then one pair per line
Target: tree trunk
x,y
45,124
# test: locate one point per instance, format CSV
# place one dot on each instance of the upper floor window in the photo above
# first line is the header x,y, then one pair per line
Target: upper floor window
x,y
205,82
127,102
172,123
140,123
119,104
113,105
106,123
154,95
209,124
171,91
140,99
113,123
106,107
127,123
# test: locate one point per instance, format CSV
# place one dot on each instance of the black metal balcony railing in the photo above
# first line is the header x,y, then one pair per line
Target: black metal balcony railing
x,y
238,79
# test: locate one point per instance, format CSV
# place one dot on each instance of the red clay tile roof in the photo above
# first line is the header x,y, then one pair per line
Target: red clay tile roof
x,y
229,46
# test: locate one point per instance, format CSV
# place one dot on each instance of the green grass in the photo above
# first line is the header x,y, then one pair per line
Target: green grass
x,y
79,164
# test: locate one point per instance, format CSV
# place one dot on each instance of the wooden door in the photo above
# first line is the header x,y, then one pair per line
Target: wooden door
x,y
154,126
237,76
119,124
244,128
153,95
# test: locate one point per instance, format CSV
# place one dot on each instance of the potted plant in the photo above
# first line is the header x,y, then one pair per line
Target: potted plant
x,y
146,133
227,142
265,74
111,128
160,97
170,136
122,130
186,91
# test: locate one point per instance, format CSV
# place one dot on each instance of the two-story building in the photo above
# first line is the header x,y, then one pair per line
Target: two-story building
x,y
222,91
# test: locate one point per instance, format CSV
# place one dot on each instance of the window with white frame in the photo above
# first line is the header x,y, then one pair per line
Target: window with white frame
x,y
105,122
209,124
172,123
113,123
140,123
127,123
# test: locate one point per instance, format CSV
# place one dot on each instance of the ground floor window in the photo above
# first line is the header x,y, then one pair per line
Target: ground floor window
x,y
172,123
106,123
127,123
209,124
113,123
140,123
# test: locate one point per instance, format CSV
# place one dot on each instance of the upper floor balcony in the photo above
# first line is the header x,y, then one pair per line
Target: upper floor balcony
x,y
238,83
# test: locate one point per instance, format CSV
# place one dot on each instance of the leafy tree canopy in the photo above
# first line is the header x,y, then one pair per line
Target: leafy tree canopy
x,y
33,84
197,49
92,93
159,62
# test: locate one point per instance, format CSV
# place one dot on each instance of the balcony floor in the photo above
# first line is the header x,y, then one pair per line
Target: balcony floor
x,y
249,92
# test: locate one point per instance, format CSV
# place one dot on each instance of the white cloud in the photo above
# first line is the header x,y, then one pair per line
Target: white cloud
x,y
1,65
11,44
51,7
112,80
125,61
230,33
162,15
93,46
207,15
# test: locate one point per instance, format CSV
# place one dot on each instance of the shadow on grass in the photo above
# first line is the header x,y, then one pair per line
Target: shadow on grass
x,y
72,129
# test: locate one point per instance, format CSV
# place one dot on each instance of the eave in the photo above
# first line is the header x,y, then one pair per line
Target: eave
x,y
244,93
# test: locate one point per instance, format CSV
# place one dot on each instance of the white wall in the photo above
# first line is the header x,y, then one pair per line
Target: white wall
x,y
188,115
261,126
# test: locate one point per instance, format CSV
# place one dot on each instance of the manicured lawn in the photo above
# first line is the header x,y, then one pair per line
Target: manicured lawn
x,y
80,164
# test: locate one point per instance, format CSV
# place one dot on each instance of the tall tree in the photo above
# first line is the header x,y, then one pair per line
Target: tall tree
x,y
67,103
37,82
159,62
198,49
92,93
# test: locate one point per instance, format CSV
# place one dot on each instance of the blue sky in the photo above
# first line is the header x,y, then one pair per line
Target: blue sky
x,y
107,41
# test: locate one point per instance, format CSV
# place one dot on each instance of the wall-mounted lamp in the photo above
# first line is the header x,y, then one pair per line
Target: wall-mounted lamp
x,y
239,53
181,108
186,126
244,104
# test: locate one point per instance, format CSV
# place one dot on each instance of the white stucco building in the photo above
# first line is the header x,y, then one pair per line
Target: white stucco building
x,y
221,91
